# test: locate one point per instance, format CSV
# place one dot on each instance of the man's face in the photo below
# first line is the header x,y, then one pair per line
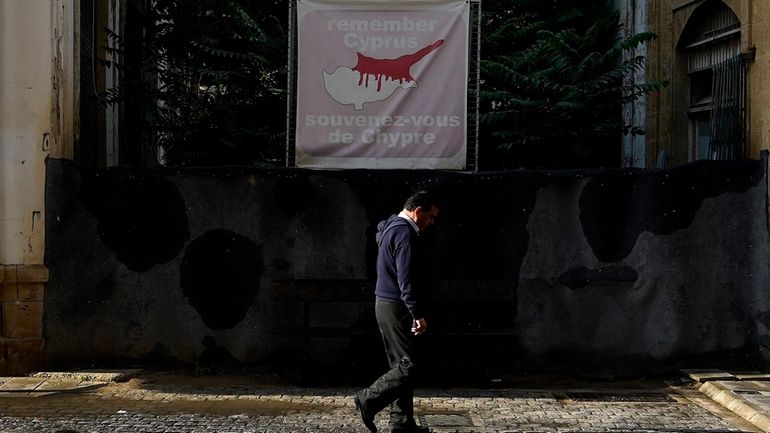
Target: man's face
x,y
424,218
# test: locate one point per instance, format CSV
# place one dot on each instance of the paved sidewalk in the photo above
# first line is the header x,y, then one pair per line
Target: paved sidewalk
x,y
162,402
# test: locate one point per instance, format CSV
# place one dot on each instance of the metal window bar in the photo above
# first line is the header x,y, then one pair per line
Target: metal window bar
x,y
727,135
86,139
291,86
474,82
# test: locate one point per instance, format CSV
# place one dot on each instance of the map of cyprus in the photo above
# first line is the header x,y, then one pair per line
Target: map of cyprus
x,y
373,79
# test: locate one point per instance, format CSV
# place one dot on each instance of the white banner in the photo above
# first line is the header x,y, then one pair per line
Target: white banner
x,y
382,84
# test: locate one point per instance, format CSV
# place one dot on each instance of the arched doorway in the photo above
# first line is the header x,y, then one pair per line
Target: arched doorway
x,y
711,46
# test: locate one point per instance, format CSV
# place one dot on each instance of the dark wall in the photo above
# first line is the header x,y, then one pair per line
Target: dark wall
x,y
626,271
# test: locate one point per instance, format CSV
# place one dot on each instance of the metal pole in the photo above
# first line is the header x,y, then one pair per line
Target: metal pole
x,y
290,80
478,83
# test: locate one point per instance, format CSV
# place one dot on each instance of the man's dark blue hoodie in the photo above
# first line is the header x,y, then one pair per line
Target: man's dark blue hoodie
x,y
397,243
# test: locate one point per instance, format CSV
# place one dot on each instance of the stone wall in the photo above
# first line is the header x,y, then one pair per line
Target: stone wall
x,y
22,289
619,271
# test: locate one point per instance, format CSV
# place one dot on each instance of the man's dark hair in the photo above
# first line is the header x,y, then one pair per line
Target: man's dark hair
x,y
422,199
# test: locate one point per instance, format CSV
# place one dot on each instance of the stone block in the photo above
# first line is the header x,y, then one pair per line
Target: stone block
x,y
31,291
22,319
33,273
679,4
761,12
7,273
9,292
22,356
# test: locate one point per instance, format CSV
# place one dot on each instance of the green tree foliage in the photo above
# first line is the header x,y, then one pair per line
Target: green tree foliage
x,y
209,79
206,81
554,80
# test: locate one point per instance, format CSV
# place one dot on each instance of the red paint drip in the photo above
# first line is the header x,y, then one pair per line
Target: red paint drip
x,y
392,69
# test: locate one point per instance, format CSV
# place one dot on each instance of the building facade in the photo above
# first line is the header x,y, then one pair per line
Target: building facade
x,y
714,55
52,69
36,121
717,106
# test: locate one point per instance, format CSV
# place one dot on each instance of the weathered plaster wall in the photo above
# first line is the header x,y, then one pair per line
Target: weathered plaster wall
x,y
627,271
25,125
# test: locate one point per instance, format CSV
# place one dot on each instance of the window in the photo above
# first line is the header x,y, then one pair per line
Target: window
x,y
711,42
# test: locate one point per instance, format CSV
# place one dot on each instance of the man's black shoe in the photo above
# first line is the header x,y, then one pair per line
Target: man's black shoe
x,y
413,429
366,417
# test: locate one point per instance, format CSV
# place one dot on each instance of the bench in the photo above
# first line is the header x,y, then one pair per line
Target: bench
x,y
477,310
312,293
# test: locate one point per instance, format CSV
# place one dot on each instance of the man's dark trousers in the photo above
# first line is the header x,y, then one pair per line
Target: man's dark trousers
x,y
396,387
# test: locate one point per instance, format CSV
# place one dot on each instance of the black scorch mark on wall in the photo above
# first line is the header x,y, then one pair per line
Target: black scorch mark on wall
x,y
220,275
580,276
482,230
143,220
616,207
294,195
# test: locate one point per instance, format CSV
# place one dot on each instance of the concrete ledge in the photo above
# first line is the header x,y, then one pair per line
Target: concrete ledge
x,y
753,375
704,375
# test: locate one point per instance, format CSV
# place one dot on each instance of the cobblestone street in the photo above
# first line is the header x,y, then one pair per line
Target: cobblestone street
x,y
150,406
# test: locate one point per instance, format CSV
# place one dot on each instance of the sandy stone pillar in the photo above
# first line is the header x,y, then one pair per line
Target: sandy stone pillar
x,y
36,93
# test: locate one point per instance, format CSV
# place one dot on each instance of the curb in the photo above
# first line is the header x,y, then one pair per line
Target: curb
x,y
732,401
42,386
90,375
46,383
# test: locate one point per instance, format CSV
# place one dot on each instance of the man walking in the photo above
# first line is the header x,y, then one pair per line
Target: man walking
x,y
400,315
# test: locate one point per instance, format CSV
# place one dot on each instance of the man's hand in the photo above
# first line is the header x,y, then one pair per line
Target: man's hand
x,y
419,326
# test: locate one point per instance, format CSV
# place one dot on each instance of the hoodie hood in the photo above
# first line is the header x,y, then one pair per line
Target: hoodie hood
x,y
386,225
